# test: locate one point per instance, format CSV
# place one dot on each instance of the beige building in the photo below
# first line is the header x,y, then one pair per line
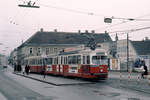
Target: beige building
x,y
45,43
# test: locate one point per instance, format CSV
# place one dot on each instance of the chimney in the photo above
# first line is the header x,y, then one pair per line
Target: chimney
x,y
93,31
106,32
55,30
146,39
86,31
79,31
41,30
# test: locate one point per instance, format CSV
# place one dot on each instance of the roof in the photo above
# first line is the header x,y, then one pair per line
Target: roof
x,y
142,47
42,38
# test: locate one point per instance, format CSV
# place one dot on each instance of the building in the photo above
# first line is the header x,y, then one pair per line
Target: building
x,y
137,49
45,43
142,49
13,57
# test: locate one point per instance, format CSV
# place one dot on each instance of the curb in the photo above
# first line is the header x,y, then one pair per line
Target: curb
x,y
37,79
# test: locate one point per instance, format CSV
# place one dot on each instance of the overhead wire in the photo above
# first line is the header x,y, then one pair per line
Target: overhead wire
x,y
94,14
123,22
130,30
72,10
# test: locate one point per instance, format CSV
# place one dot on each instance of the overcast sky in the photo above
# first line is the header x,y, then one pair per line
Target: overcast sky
x,y
18,24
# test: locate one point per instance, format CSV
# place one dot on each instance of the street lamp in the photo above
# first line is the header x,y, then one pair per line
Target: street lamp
x,y
109,20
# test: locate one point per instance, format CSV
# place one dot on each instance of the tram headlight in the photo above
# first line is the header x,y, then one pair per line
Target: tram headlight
x,y
101,70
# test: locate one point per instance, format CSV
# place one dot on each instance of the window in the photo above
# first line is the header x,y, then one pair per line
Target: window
x,y
39,50
64,60
74,59
83,59
47,51
102,60
49,61
61,60
69,59
88,59
79,59
55,50
55,60
31,51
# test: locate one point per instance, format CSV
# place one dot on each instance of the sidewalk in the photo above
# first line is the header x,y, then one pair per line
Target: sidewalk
x,y
132,82
54,80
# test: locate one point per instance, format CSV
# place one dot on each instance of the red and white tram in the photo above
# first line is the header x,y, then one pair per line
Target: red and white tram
x,y
83,64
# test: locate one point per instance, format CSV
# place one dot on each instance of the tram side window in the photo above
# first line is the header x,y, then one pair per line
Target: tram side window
x,y
64,60
69,59
40,61
30,62
61,60
74,59
56,60
49,61
33,62
83,59
78,59
88,59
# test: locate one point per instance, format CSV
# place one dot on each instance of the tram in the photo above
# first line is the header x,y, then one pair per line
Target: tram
x,y
87,64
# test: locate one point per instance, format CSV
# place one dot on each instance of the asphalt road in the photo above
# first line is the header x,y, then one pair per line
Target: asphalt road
x,y
12,90
15,87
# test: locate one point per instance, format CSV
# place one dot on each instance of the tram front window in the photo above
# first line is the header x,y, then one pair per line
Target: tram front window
x,y
99,60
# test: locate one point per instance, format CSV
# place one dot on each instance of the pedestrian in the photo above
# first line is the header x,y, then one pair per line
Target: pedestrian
x,y
15,67
145,71
43,71
23,69
26,69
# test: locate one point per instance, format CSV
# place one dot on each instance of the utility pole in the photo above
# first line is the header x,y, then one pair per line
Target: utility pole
x,y
127,52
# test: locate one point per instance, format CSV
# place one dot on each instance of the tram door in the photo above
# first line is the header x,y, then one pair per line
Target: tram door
x,y
86,66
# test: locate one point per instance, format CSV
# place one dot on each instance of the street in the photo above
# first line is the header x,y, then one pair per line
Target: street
x,y
14,87
75,50
13,90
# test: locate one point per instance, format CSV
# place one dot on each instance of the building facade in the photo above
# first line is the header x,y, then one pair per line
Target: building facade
x,y
46,43
136,49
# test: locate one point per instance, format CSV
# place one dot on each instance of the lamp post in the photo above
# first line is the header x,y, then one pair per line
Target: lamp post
x,y
109,20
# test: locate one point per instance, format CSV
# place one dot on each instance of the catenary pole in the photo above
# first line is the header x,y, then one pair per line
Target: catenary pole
x,y
127,52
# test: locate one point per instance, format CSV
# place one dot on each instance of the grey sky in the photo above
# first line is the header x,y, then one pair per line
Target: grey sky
x,y
17,24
